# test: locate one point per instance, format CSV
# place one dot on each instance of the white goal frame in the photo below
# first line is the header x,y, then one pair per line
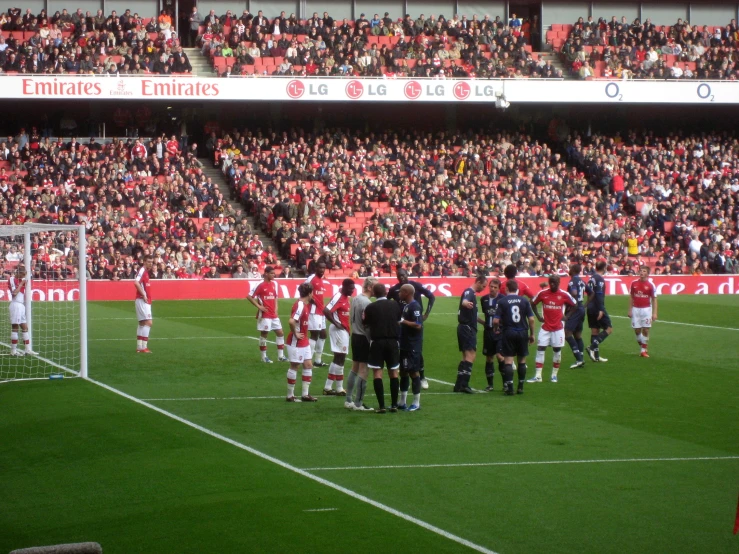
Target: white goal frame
x,y
26,230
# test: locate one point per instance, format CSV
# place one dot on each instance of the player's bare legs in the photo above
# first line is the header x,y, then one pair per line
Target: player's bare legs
x,y
336,375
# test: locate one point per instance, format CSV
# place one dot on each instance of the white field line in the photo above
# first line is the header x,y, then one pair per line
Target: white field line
x,y
323,510
219,398
301,472
526,463
133,318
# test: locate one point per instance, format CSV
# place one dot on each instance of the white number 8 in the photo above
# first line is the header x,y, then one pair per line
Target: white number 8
x,y
515,314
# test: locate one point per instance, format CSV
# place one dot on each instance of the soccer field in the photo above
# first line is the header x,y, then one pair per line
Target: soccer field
x,y
199,452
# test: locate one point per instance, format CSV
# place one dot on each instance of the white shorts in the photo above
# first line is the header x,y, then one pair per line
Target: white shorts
x,y
298,354
554,339
17,313
269,324
339,340
143,310
316,322
641,318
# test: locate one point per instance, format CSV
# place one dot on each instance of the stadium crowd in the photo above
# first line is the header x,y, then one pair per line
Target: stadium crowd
x,y
87,43
366,203
460,204
623,50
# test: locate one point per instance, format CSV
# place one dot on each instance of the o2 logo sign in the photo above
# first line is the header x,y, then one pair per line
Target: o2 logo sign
x,y
704,92
614,92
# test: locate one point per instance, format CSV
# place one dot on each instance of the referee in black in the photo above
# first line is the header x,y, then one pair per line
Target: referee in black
x,y
419,291
467,333
382,321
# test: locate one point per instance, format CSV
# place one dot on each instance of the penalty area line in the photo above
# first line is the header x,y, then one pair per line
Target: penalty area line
x,y
299,471
527,463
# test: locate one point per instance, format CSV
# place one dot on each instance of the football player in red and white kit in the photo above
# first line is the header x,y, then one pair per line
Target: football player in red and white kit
x,y
264,298
337,313
552,332
317,321
298,347
17,288
643,308
143,305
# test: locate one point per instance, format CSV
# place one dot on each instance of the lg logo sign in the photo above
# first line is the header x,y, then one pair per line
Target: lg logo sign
x,y
462,90
295,89
412,90
354,90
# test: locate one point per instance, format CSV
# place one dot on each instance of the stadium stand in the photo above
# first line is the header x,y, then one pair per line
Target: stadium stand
x,y
440,205
436,204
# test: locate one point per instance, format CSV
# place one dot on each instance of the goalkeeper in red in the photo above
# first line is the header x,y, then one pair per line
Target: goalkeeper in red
x,y
552,333
143,305
17,288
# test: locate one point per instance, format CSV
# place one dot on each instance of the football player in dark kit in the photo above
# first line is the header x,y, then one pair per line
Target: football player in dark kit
x,y
467,333
381,320
411,341
573,324
419,291
598,320
491,339
515,320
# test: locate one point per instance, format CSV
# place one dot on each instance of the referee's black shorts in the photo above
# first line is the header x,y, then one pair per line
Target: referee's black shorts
x,y
384,352
360,348
466,337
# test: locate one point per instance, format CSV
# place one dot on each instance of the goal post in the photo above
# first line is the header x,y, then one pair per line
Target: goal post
x,y
55,298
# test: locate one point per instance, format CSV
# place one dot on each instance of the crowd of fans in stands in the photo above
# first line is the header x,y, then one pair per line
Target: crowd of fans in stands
x,y
455,205
87,43
647,51
478,47
367,203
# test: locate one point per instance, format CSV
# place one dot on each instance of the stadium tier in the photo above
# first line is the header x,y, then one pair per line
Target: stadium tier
x,y
448,46
371,203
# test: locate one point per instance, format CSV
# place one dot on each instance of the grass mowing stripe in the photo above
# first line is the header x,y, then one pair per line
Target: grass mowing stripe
x,y
301,472
527,463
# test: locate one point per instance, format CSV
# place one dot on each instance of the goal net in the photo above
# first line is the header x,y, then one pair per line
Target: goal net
x,y
45,265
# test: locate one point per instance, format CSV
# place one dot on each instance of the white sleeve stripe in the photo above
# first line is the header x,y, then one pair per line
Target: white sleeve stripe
x,y
140,274
535,299
298,310
309,280
334,300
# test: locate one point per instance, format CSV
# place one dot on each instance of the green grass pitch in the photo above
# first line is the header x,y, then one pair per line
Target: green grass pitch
x,y
636,455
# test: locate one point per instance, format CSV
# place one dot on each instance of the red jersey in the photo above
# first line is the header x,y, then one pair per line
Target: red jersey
x,y
266,294
173,147
339,305
523,289
554,307
300,314
642,293
21,295
142,277
319,290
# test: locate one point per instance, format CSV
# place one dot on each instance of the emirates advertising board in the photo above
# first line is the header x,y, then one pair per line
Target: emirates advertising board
x,y
225,289
287,89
